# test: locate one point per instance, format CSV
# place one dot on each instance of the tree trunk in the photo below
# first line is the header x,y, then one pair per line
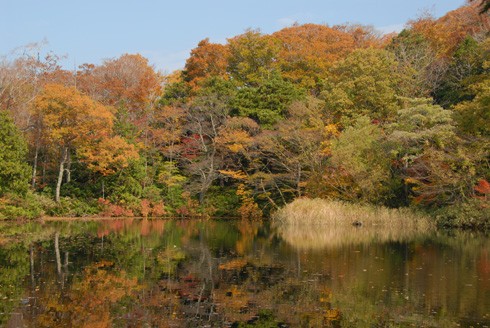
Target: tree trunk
x,y
298,181
43,180
271,201
68,168
64,156
57,252
34,165
31,257
201,197
36,154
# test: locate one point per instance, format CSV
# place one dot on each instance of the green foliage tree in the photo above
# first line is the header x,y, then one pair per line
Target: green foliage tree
x,y
267,102
473,116
356,155
175,93
363,84
421,123
252,57
466,68
14,171
435,166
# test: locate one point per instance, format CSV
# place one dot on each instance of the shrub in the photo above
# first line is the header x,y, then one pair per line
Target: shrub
x,y
248,209
30,206
474,213
189,207
221,202
145,208
74,207
113,210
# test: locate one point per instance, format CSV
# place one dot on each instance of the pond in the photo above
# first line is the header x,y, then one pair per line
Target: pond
x,y
219,273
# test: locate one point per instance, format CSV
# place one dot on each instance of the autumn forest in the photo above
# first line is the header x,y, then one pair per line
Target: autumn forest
x,y
335,112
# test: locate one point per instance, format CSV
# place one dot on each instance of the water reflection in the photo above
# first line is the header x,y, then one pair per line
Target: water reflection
x,y
239,274
322,237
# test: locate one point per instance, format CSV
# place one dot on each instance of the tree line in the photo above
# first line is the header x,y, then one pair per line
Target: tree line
x,y
339,112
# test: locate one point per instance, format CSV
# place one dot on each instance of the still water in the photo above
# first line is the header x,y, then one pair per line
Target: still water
x,y
157,273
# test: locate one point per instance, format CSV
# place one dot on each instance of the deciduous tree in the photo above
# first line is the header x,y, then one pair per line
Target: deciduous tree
x,y
474,116
70,120
307,51
357,155
252,58
436,167
206,60
363,84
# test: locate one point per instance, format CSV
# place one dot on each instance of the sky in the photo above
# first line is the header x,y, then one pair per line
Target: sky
x,y
163,31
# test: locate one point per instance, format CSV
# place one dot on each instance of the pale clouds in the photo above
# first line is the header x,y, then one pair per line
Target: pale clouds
x,y
295,18
391,28
286,21
167,62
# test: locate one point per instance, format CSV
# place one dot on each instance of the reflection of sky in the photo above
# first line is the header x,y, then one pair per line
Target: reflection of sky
x,y
165,31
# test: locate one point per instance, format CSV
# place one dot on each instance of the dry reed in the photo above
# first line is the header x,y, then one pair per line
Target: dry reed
x,y
319,223
316,211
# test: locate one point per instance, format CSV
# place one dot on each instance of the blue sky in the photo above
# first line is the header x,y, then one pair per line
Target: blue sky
x,y
165,31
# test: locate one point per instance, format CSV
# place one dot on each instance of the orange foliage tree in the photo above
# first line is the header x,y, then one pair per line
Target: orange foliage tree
x,y
446,33
307,51
206,60
127,81
70,120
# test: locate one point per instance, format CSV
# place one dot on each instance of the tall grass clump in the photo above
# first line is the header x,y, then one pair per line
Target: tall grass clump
x,y
319,223
304,211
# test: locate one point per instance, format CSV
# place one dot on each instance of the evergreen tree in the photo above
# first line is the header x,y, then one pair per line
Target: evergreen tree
x,y
14,171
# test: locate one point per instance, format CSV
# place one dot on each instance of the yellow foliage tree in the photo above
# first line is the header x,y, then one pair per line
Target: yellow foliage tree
x,y
70,121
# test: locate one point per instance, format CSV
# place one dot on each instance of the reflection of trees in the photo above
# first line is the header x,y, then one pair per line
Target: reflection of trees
x,y
17,253
197,273
14,266
89,302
